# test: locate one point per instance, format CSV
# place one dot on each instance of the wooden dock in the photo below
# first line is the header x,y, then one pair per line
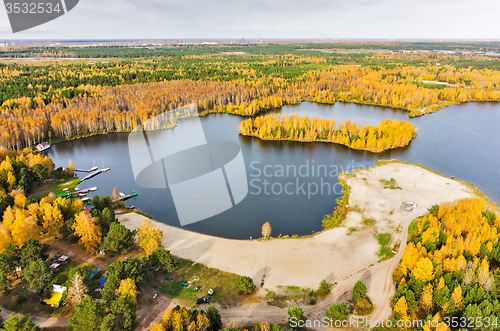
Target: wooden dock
x,y
81,170
93,174
133,194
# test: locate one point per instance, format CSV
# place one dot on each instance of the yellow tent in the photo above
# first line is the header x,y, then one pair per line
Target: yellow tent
x,y
55,299
57,293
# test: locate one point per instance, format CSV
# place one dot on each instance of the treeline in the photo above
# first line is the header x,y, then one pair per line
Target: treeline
x,y
450,268
123,108
388,134
44,82
181,318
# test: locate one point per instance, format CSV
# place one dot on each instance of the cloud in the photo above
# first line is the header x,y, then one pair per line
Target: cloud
x,y
131,19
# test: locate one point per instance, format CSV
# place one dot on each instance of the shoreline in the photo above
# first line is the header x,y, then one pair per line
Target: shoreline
x,y
332,254
411,114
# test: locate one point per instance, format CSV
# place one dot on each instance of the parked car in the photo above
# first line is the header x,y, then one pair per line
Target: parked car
x,y
202,301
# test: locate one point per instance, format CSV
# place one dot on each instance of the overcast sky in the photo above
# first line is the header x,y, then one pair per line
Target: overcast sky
x,y
162,19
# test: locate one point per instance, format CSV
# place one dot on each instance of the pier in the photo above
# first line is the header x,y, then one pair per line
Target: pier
x,y
126,197
81,170
93,174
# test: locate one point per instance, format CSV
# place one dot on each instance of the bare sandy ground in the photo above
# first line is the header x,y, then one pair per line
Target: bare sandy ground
x,y
333,254
337,255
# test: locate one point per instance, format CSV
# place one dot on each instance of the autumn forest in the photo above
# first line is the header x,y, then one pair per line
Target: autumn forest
x,y
449,268
45,101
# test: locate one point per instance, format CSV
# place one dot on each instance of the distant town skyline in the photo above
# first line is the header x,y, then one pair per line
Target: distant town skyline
x,y
273,19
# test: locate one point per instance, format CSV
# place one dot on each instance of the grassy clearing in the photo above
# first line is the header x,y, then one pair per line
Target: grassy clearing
x,y
224,284
390,184
384,239
54,185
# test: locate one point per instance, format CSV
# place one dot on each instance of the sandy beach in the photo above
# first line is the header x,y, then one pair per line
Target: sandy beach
x,y
333,254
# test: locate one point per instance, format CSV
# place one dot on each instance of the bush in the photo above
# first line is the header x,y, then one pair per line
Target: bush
x,y
297,314
162,260
359,291
338,312
434,210
19,322
246,285
324,288
214,317
15,298
119,238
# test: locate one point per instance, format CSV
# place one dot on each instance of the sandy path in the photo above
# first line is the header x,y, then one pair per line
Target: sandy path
x,y
333,255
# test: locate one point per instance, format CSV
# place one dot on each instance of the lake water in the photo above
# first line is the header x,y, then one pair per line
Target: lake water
x,y
457,141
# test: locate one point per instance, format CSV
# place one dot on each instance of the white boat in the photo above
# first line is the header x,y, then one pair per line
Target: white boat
x,y
92,189
65,189
122,194
104,169
94,168
86,199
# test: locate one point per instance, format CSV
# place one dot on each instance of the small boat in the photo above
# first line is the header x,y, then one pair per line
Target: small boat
x,y
94,168
82,195
66,189
132,207
92,189
122,194
85,191
104,169
86,199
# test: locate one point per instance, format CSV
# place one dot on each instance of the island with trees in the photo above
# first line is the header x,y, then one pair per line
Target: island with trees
x,y
388,134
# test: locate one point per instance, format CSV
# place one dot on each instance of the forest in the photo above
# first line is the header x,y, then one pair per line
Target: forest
x,y
450,268
24,121
388,134
45,100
